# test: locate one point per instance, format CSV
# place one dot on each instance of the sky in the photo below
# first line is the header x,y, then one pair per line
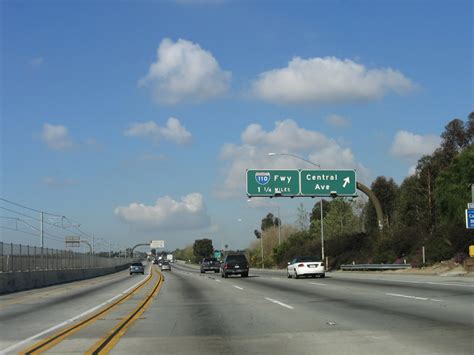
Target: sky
x,y
137,120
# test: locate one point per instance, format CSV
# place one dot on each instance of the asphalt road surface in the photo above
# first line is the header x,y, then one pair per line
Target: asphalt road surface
x,y
185,312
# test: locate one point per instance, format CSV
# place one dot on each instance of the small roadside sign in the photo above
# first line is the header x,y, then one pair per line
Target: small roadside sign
x,y
217,254
470,218
157,244
72,241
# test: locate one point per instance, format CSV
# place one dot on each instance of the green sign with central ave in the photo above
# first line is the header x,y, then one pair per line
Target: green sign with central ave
x,y
269,183
326,183
302,183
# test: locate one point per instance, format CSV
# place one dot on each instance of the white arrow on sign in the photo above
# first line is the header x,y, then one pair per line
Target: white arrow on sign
x,y
347,180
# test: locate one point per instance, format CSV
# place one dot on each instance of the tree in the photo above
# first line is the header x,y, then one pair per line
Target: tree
x,y
302,218
203,248
270,221
340,219
452,188
316,211
386,191
455,138
470,128
257,233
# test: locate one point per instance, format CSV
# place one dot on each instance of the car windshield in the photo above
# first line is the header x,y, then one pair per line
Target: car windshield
x,y
137,264
236,258
308,258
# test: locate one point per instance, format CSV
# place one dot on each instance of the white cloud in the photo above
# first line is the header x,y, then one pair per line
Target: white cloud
x,y
37,62
188,213
56,137
412,146
173,131
338,121
286,137
184,72
326,80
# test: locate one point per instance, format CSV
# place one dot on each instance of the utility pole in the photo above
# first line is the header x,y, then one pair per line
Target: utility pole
x,y
322,231
42,230
93,245
279,225
261,247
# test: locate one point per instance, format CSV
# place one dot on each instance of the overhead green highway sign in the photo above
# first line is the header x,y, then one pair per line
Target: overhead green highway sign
x,y
270,183
325,183
301,183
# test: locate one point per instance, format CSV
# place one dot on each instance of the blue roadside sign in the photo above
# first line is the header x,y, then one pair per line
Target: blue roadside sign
x,y
470,218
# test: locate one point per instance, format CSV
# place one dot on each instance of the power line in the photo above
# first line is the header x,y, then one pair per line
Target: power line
x,y
29,208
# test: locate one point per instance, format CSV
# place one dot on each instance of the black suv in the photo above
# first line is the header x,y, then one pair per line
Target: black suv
x,y
210,264
235,265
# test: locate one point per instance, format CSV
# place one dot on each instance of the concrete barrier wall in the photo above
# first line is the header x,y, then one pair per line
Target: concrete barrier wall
x,y
20,281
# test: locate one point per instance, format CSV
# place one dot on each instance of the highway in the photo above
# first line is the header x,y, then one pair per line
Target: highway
x,y
186,312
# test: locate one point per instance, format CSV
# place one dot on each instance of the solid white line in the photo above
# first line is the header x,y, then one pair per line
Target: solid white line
x,y
317,283
218,280
428,283
71,320
279,303
237,287
413,297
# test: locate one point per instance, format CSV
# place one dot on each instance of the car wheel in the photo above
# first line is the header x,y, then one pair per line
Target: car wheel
x,y
225,275
288,274
203,272
296,275
216,271
143,273
130,273
322,276
313,276
245,274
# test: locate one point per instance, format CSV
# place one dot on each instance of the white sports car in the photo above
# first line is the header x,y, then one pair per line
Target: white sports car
x,y
306,266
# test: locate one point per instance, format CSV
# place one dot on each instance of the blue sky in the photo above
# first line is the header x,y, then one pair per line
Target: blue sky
x,y
97,126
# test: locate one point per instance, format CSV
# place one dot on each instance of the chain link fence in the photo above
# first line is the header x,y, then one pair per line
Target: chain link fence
x,y
15,257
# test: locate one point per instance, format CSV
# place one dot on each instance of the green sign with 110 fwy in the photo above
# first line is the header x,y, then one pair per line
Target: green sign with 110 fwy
x,y
292,183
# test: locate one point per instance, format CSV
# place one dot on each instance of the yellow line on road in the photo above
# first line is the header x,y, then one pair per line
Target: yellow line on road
x,y
58,337
105,345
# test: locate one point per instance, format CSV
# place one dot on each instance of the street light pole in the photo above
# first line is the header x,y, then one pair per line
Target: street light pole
x,y
279,225
261,247
322,231
322,220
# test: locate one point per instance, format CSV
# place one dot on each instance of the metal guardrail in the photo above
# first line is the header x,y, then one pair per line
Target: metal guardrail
x,y
15,257
368,267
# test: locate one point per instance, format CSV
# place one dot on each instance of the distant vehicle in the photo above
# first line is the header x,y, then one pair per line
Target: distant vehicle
x,y
235,265
170,258
306,266
165,265
210,264
137,268
155,261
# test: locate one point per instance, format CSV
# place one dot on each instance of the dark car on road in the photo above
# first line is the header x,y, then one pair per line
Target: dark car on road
x,y
137,268
210,264
236,264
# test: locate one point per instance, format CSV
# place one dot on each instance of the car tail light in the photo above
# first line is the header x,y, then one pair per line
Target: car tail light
x,y
225,266
300,265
